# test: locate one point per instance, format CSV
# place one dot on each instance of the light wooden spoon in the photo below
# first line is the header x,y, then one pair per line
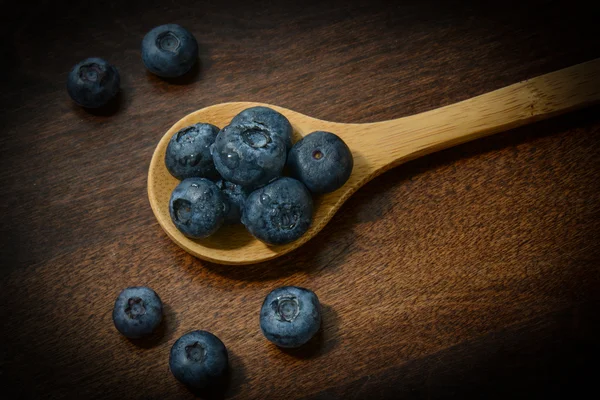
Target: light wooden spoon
x,y
377,147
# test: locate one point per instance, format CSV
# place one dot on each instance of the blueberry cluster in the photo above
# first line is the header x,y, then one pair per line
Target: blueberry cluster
x,y
168,51
246,160
289,317
234,174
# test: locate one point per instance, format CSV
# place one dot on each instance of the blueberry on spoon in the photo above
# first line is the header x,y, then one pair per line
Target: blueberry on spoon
x,y
278,213
196,207
248,155
264,117
322,161
234,197
188,153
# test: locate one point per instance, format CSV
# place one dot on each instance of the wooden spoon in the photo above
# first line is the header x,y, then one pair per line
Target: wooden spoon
x,y
377,147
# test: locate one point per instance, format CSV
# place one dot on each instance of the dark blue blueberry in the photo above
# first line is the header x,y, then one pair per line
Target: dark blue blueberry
x,y
199,359
278,213
234,196
169,50
137,312
197,207
248,155
266,118
290,316
93,82
322,161
188,153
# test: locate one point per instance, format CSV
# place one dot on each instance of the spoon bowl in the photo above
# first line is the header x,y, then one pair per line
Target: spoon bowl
x,y
376,147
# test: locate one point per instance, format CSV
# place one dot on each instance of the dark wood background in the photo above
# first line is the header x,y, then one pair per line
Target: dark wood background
x,y
473,272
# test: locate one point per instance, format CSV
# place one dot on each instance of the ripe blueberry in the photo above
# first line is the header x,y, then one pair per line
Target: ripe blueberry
x,y
234,197
248,155
266,118
278,213
196,207
169,50
198,359
137,312
322,161
290,316
93,82
188,153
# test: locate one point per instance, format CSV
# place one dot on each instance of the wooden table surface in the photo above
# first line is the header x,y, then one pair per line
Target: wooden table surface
x,y
473,272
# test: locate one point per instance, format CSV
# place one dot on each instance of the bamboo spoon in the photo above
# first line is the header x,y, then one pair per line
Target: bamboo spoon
x,y
377,147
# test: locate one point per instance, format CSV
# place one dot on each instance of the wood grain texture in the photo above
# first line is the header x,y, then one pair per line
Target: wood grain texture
x,y
376,148
469,273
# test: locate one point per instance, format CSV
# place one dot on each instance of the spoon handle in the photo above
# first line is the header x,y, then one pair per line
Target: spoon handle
x,y
390,143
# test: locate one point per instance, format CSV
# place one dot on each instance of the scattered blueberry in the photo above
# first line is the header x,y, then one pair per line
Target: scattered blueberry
x,y
290,316
198,359
266,118
137,312
278,213
188,153
248,155
197,207
93,82
322,161
234,196
169,50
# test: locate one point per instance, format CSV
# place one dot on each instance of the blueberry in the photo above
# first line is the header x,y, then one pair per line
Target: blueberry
x,y
197,207
93,82
248,155
198,359
188,153
137,312
169,50
322,161
266,118
234,196
278,213
290,316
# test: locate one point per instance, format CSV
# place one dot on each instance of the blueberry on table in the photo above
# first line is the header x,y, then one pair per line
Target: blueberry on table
x,y
138,312
322,161
196,207
290,316
188,153
234,197
248,155
93,82
198,359
278,213
268,119
169,50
